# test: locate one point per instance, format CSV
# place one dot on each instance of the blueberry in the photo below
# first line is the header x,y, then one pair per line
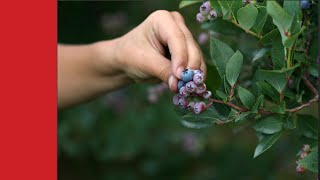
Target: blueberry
x,y
201,88
305,4
212,15
176,98
187,75
205,8
198,78
200,18
191,87
183,92
207,94
191,105
199,107
183,103
180,84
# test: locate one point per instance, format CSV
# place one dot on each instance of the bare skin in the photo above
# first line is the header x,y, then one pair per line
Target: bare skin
x,y
87,71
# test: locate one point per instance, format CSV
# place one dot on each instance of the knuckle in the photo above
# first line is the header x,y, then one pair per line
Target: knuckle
x,y
178,16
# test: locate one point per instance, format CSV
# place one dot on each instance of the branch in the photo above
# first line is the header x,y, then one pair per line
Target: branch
x,y
247,31
310,86
241,109
315,99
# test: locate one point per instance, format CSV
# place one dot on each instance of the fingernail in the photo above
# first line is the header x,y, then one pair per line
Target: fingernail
x,y
170,81
179,71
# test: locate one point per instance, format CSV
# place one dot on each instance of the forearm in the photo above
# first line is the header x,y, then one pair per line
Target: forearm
x,y
86,71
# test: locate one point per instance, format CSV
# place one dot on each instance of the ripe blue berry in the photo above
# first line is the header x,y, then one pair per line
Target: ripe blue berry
x,y
183,103
207,94
187,75
201,88
176,98
212,15
191,87
183,91
200,18
198,78
305,4
199,107
180,84
198,71
205,8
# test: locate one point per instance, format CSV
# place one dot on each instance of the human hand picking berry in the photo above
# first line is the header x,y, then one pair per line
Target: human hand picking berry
x,y
86,71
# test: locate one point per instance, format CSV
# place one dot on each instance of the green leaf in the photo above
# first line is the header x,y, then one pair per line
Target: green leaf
x,y
313,70
246,97
257,104
216,6
241,117
265,143
269,36
247,16
276,79
225,8
290,40
310,162
259,54
235,5
233,68
220,55
213,81
280,108
293,9
278,52
280,18
308,126
206,119
260,20
268,90
222,95
291,122
269,125
185,3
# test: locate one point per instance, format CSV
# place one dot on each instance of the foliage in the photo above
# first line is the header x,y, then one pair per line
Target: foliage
x,y
284,81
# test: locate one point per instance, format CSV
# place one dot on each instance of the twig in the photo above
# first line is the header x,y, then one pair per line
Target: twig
x,y
310,86
315,99
247,31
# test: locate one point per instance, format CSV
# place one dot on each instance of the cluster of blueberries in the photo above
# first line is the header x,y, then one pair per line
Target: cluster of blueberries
x,y
206,13
191,85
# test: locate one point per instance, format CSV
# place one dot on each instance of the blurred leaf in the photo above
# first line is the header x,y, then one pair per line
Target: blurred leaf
x,y
247,16
185,3
212,81
313,70
257,104
269,125
259,54
268,90
308,126
310,162
226,86
280,18
246,97
233,68
260,20
203,120
265,143
220,54
277,52
225,8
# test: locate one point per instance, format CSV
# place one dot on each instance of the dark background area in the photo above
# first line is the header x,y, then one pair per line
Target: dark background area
x,y
122,135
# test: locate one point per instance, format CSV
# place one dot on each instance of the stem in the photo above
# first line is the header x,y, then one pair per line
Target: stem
x,y
315,99
289,57
247,31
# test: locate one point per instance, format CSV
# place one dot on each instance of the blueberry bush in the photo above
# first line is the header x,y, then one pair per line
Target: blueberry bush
x,y
283,77
135,132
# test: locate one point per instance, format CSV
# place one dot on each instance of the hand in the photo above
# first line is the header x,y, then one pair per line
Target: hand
x,y
141,52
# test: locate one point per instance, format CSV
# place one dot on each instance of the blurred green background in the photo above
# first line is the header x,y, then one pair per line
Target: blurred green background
x,y
127,135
